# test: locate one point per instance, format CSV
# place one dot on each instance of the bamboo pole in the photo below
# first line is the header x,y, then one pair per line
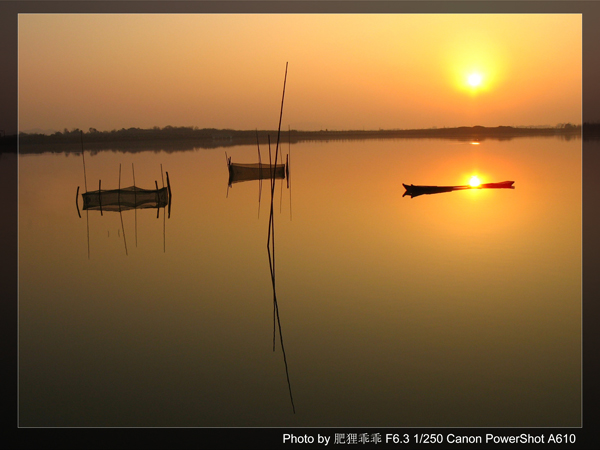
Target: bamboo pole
x,y
258,146
76,204
123,228
271,181
260,169
119,191
83,157
120,212
259,160
281,112
287,168
157,199
87,216
169,190
271,253
134,202
281,194
168,184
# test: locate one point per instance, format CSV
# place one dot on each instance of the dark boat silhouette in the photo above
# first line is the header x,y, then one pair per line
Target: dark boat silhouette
x,y
415,191
125,199
257,171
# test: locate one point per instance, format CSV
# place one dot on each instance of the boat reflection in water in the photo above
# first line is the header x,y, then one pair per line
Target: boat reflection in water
x,y
415,191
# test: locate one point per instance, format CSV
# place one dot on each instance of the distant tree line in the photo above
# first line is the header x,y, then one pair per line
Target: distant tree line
x,y
124,134
192,137
173,133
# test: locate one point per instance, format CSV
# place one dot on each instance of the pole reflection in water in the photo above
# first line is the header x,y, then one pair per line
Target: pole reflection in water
x,y
271,251
276,319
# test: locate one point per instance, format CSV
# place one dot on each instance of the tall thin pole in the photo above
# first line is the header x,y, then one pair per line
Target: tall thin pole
x,y
123,228
276,150
276,319
281,112
281,194
134,202
83,157
157,200
259,173
258,146
259,192
87,219
76,203
170,196
271,253
120,213
119,191
271,180
288,168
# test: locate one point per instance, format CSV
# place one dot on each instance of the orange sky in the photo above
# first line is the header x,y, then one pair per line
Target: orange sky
x,y
112,71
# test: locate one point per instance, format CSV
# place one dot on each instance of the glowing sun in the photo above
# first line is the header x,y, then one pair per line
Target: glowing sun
x,y
474,79
474,181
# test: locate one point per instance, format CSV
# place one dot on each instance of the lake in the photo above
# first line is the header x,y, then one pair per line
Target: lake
x,y
460,309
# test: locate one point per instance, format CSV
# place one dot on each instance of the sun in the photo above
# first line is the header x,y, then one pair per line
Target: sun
x,y
474,79
474,181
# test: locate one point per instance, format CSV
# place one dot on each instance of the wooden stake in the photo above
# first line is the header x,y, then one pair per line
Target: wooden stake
x,y
157,199
134,202
281,113
170,196
87,219
123,228
119,191
83,157
281,194
260,169
76,204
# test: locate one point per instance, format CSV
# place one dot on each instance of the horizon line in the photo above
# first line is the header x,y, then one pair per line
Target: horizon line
x,y
91,130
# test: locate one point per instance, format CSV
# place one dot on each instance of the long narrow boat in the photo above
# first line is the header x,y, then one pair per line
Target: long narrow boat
x,y
415,191
124,199
257,171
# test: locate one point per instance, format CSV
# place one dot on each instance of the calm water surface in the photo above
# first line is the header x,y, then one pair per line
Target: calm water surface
x,y
455,309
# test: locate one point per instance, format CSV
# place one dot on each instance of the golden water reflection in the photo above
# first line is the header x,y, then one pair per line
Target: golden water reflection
x,y
461,309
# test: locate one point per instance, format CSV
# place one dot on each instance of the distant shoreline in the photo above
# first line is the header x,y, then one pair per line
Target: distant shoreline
x,y
187,138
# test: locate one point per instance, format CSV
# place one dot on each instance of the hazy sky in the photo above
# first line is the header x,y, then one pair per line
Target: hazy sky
x,y
367,71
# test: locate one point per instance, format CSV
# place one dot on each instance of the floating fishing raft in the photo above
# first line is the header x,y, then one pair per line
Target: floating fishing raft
x,y
124,199
415,191
257,171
